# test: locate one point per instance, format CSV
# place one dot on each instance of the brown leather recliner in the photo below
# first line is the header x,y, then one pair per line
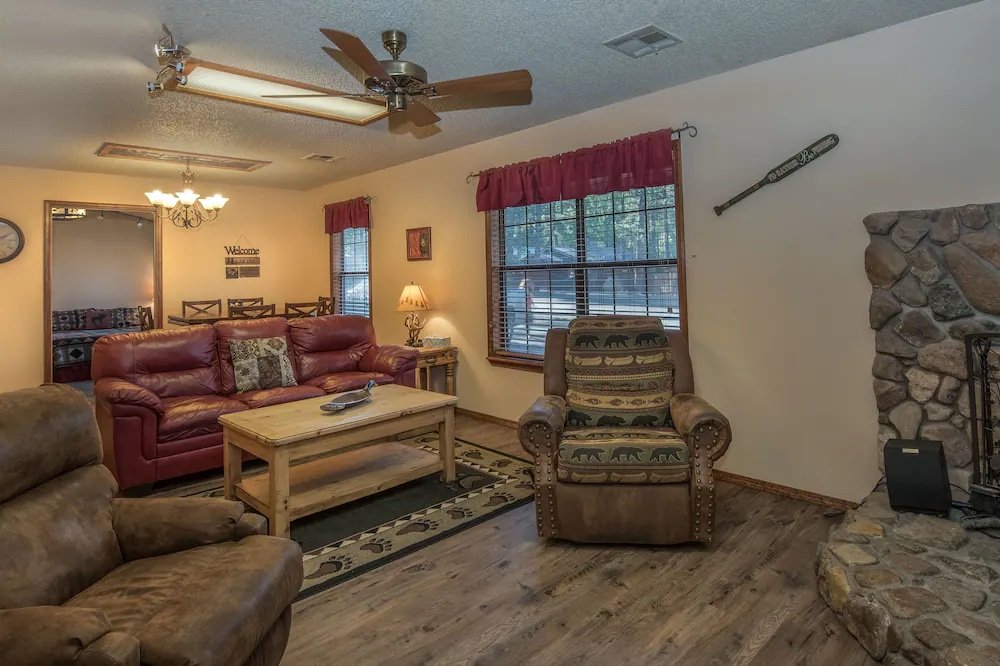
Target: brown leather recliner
x,y
623,449
159,394
90,579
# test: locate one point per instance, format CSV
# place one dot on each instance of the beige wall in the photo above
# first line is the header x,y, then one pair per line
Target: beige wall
x,y
101,263
777,291
282,223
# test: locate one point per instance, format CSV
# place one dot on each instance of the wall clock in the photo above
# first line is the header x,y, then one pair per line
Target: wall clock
x,y
11,240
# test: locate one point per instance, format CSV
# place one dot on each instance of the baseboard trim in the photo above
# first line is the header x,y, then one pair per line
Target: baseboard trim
x,y
485,417
784,491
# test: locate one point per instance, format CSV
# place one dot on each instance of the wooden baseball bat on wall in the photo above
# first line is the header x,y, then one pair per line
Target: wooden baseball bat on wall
x,y
791,165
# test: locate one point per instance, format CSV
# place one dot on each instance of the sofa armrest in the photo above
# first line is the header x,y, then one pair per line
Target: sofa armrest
x,y
55,635
541,426
118,391
147,527
698,423
389,359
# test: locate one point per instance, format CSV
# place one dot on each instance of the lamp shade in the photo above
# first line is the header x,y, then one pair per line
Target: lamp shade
x,y
413,299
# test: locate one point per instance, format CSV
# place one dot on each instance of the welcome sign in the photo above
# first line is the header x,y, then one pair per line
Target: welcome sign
x,y
242,262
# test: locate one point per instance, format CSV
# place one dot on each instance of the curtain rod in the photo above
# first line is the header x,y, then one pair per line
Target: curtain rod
x,y
677,133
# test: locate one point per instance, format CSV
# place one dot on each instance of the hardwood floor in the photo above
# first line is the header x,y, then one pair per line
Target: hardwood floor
x,y
496,594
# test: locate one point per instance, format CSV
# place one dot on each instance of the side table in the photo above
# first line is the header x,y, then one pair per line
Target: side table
x,y
433,357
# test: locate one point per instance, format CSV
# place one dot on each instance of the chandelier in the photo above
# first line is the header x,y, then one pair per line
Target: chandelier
x,y
187,209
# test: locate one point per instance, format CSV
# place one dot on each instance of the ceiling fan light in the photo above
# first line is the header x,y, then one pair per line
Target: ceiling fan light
x,y
187,197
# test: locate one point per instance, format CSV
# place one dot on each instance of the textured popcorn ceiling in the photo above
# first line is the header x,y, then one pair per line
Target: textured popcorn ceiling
x,y
72,72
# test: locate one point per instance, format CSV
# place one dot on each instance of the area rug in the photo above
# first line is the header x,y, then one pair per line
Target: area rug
x,y
349,540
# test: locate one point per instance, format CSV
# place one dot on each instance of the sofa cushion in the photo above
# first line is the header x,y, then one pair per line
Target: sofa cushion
x,y
338,382
329,344
622,455
168,362
619,371
261,363
246,329
278,396
125,318
221,599
191,415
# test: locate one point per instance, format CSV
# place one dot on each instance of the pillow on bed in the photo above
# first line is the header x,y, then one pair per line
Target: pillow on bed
x,y
95,319
65,320
261,363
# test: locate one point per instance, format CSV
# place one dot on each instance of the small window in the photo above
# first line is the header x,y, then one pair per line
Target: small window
x,y
613,253
350,278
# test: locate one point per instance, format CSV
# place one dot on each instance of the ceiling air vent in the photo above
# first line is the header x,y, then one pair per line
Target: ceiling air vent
x,y
317,157
643,41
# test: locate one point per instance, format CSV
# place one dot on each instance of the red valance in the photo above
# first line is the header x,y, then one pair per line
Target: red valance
x,y
645,160
349,214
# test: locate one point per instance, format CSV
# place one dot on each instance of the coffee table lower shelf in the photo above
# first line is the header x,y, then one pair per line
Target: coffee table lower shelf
x,y
338,479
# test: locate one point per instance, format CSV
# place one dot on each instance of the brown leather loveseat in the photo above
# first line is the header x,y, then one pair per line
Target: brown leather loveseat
x,y
160,393
93,580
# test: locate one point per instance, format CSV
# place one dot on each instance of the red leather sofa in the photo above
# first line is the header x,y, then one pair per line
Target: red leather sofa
x,y
160,393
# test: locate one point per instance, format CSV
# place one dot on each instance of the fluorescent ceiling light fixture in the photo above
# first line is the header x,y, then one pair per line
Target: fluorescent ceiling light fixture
x,y
238,85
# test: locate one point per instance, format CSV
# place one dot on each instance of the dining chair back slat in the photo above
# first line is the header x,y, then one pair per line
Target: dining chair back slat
x,y
251,311
242,302
202,308
306,309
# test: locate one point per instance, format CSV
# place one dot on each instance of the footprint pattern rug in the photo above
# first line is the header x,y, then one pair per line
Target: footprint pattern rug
x,y
349,540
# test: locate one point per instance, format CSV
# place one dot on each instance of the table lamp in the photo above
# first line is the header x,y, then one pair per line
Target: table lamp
x,y
413,300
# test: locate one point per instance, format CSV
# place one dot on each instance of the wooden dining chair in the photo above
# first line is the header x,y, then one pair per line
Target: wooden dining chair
x,y
328,304
201,308
242,302
307,309
251,311
145,318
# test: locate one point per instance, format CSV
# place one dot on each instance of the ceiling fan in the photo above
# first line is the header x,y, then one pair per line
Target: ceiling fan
x,y
401,83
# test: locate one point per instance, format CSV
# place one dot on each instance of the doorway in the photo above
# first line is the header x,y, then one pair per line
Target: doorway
x,y
103,274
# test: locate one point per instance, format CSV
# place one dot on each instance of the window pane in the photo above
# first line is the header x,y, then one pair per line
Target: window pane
x,y
512,216
659,197
600,239
629,201
515,249
597,204
539,243
564,242
564,210
539,213
630,236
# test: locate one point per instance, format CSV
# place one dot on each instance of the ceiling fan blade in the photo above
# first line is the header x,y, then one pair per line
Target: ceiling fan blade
x,y
399,123
516,80
344,61
419,115
356,50
479,101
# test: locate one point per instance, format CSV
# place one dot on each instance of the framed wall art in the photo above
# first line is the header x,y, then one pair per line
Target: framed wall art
x,y
418,244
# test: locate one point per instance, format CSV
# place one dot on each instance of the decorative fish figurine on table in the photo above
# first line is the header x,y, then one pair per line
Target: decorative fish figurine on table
x,y
345,400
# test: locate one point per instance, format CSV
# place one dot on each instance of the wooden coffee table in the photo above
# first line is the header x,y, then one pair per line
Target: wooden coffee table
x,y
348,455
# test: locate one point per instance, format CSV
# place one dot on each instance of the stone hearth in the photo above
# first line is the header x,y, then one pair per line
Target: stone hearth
x,y
935,277
913,589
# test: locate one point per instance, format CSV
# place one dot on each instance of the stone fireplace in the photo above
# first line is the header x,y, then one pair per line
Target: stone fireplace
x,y
935,277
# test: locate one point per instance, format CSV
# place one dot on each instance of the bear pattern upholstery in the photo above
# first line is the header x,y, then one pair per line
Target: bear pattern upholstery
x,y
619,372
622,455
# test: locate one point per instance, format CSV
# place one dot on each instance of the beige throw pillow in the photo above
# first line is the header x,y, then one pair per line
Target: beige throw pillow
x,y
261,363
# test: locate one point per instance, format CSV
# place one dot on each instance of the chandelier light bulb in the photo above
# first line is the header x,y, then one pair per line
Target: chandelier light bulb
x,y
187,197
168,201
155,197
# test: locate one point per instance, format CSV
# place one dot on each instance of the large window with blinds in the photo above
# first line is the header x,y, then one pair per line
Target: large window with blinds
x,y
350,278
613,253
